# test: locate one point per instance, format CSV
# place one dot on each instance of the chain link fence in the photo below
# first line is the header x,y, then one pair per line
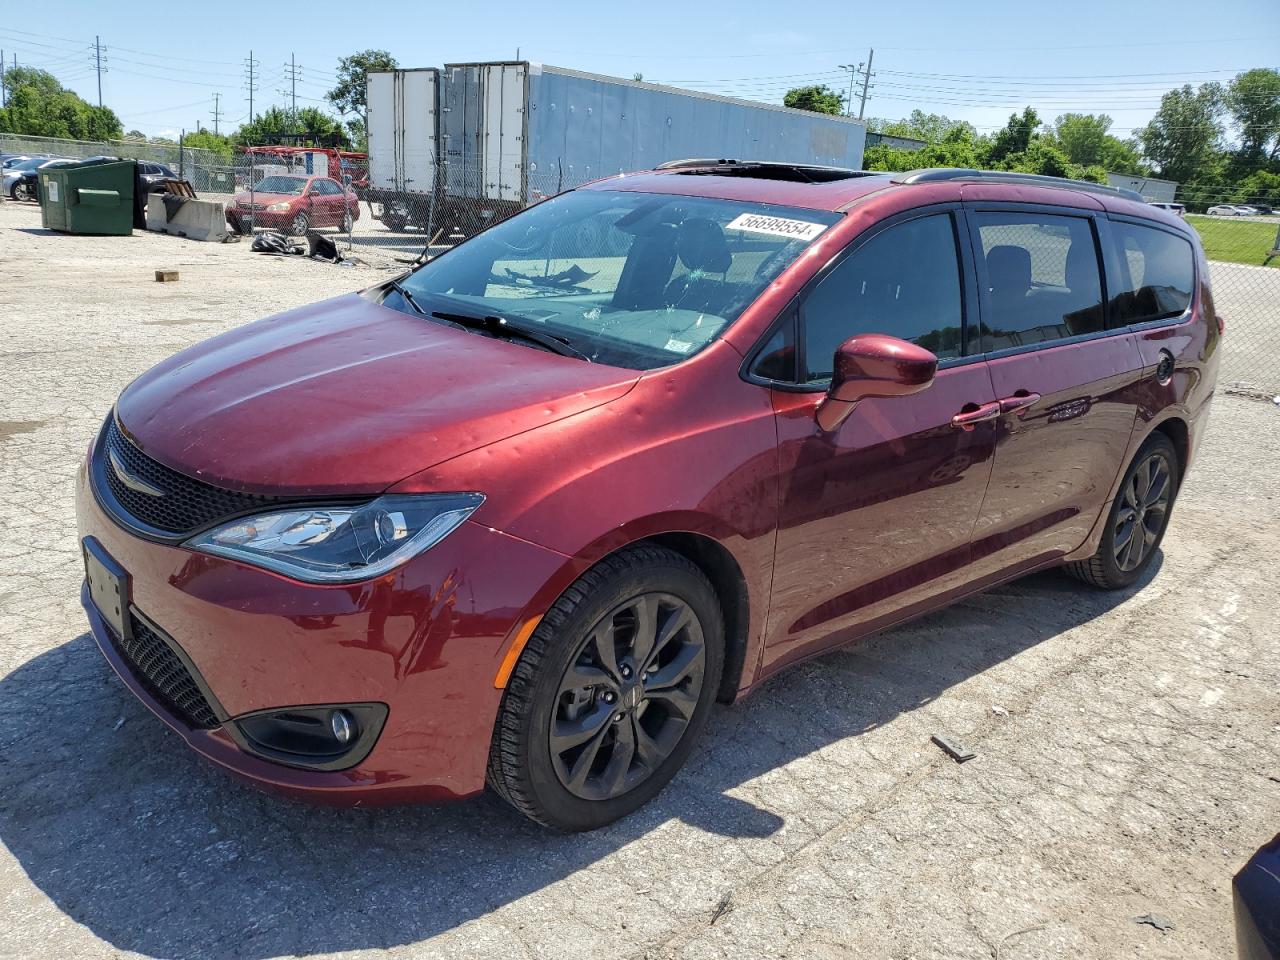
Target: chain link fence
x,y
208,171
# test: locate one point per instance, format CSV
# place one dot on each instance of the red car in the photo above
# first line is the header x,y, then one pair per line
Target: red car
x,y
295,204
520,516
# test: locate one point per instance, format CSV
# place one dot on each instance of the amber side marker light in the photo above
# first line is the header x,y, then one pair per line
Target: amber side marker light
x,y
517,647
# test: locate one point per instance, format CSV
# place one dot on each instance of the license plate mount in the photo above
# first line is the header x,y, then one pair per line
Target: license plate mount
x,y
108,587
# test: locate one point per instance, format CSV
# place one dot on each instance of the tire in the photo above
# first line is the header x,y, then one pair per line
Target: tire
x,y
557,788
299,225
347,222
1114,565
395,216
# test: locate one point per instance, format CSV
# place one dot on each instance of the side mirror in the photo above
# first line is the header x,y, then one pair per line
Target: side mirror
x,y
873,365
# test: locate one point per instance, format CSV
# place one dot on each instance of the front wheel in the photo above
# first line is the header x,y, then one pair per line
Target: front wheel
x,y
1138,518
611,691
347,222
299,225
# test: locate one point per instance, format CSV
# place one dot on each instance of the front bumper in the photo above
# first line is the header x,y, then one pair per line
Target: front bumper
x,y
427,640
262,218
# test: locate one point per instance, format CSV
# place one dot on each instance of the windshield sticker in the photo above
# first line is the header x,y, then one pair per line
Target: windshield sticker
x,y
776,226
679,346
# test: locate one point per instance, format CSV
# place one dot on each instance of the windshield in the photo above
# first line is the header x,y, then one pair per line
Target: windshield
x,y
634,280
29,164
290,185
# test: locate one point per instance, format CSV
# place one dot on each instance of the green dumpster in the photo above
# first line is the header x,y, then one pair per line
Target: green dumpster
x,y
88,198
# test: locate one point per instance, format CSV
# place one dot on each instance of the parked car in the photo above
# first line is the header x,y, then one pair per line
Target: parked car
x,y
295,204
153,175
21,181
1175,208
9,159
1256,898
520,516
1230,210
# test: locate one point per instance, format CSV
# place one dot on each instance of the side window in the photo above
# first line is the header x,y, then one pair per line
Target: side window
x,y
1042,278
904,282
777,358
1157,274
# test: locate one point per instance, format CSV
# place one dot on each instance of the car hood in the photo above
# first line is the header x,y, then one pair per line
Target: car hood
x,y
246,198
347,396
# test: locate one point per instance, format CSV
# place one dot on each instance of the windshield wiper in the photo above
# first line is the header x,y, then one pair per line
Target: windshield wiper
x,y
401,289
502,327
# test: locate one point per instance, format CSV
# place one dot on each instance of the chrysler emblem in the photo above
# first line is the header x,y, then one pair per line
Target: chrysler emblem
x,y
132,480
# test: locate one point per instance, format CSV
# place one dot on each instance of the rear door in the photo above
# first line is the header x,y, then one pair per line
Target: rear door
x,y
875,518
1067,376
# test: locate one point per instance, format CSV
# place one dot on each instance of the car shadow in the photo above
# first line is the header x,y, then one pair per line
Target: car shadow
x,y
157,852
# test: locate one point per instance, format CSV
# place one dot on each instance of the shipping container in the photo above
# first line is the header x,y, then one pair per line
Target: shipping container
x,y
476,141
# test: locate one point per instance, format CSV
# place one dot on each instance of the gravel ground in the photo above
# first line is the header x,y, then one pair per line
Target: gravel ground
x,y
1128,744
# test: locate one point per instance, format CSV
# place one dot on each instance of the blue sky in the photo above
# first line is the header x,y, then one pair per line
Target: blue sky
x,y
977,62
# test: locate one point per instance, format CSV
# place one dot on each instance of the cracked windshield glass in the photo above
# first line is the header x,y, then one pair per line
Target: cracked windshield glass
x,y
627,279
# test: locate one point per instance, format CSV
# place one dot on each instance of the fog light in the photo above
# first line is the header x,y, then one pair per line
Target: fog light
x,y
322,737
342,725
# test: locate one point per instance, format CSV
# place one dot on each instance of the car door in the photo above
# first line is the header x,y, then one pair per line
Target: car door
x,y
875,518
1068,381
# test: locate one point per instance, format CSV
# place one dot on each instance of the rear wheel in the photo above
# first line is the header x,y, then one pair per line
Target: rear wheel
x,y
1138,518
613,688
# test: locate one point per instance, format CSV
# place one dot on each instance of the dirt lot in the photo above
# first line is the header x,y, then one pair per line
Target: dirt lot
x,y
1128,744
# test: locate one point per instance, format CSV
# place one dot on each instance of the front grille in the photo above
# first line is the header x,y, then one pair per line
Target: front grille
x,y
185,505
164,675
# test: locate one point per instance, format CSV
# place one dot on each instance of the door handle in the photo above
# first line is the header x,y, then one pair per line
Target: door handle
x,y
968,419
1019,403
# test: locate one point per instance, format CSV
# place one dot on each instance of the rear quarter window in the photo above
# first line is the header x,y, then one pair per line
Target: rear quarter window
x,y
1157,274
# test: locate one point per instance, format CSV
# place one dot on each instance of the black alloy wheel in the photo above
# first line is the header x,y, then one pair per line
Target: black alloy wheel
x,y
627,696
1138,518
608,696
1144,509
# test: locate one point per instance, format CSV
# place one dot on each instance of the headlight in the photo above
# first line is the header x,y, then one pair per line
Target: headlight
x,y
340,544
279,207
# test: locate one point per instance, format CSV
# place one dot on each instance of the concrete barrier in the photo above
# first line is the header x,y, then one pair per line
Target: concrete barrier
x,y
195,219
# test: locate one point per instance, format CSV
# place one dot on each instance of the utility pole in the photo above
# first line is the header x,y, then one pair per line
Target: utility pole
x,y
867,74
4,88
97,61
853,75
292,73
251,65
216,111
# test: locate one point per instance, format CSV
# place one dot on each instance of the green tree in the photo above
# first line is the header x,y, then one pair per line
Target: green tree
x,y
275,125
1184,136
1081,136
818,98
1015,137
929,127
215,143
39,106
1253,100
349,96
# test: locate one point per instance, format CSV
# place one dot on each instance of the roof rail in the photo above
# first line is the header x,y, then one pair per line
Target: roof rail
x,y
936,174
767,169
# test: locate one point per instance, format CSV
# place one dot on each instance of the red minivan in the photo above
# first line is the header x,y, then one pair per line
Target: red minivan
x,y
518,517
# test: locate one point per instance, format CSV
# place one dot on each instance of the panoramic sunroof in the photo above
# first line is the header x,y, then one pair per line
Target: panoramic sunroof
x,y
760,170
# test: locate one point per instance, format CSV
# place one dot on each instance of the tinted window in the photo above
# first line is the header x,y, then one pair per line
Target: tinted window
x,y
904,282
1042,279
777,358
1158,274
